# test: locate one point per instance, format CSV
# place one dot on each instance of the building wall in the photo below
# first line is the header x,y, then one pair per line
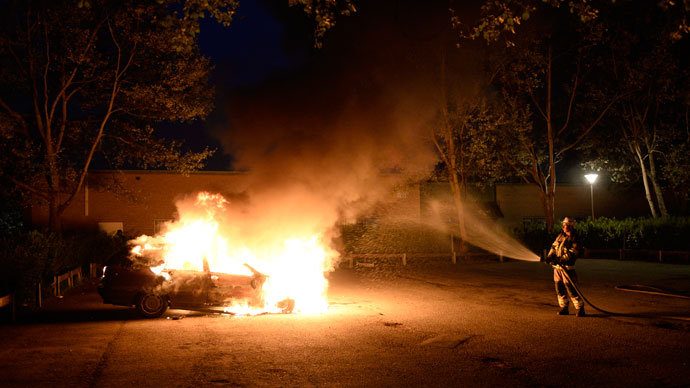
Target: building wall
x,y
153,195
151,199
520,203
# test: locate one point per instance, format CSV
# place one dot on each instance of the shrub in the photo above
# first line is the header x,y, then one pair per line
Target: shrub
x,y
536,237
29,258
398,238
34,257
666,233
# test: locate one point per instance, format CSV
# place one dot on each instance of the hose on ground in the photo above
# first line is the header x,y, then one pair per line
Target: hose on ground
x,y
565,275
651,290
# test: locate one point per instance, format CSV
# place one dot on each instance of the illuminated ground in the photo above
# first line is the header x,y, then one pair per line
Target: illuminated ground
x,y
433,325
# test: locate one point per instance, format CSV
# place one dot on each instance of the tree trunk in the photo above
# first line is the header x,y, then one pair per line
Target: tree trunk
x,y
550,215
54,222
543,198
657,189
550,183
459,206
53,180
645,182
450,156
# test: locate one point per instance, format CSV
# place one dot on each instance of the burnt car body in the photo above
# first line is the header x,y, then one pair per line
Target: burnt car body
x,y
126,284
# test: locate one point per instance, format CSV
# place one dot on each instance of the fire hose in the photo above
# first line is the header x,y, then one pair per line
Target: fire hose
x,y
565,275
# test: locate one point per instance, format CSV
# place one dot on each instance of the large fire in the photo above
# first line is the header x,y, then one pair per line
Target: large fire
x,y
201,241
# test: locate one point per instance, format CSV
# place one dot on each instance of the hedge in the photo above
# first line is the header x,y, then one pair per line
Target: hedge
x,y
397,238
665,233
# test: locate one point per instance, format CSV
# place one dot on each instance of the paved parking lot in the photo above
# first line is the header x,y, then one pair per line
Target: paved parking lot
x,y
424,325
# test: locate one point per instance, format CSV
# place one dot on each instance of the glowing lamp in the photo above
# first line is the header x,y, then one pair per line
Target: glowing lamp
x,y
591,178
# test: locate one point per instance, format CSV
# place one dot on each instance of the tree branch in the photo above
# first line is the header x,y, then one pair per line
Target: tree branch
x,y
62,96
34,87
101,129
536,103
17,116
570,103
591,126
48,117
29,188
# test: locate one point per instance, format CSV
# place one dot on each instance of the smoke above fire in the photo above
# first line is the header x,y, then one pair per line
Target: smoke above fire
x,y
323,146
326,143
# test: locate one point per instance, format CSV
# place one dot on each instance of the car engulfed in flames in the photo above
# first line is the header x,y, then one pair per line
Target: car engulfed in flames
x,y
212,259
127,284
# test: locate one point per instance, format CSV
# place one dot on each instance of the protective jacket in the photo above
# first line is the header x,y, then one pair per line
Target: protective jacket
x,y
564,250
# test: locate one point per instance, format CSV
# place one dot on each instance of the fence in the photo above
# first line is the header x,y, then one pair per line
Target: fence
x,y
67,276
622,254
352,258
70,277
657,254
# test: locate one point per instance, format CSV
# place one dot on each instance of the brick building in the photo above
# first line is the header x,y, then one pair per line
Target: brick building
x,y
148,200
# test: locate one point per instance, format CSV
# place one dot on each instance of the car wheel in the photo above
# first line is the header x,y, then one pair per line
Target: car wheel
x,y
151,305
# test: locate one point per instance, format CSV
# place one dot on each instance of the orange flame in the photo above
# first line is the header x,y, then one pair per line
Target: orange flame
x,y
295,265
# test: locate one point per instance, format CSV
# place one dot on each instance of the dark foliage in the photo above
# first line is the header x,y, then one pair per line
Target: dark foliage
x,y
363,238
34,257
665,233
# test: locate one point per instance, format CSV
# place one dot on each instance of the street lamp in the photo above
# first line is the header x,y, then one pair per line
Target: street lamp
x,y
591,178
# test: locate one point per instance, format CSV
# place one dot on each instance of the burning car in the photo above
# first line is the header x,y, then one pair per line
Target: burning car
x,y
204,260
126,283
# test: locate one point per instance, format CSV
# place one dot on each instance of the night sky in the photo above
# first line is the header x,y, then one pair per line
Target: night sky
x,y
273,84
244,55
376,78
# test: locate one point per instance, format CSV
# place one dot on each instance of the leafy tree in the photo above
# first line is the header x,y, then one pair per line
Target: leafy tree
x,y
641,116
469,121
501,19
647,121
324,13
678,157
82,80
548,71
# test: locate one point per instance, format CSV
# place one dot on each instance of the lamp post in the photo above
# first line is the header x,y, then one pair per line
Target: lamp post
x,y
591,178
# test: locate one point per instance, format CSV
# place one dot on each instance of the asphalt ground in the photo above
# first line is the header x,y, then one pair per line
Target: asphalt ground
x,y
427,324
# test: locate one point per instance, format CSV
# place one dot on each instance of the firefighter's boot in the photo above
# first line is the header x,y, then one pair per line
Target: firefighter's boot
x,y
580,312
564,310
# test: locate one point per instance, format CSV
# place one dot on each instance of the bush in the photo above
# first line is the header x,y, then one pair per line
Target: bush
x,y
535,237
667,233
29,258
36,257
604,233
412,238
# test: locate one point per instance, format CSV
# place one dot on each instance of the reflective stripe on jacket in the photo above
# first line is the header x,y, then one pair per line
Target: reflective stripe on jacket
x,y
565,249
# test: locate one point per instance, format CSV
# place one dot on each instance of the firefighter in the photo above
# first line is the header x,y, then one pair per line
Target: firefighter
x,y
564,251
